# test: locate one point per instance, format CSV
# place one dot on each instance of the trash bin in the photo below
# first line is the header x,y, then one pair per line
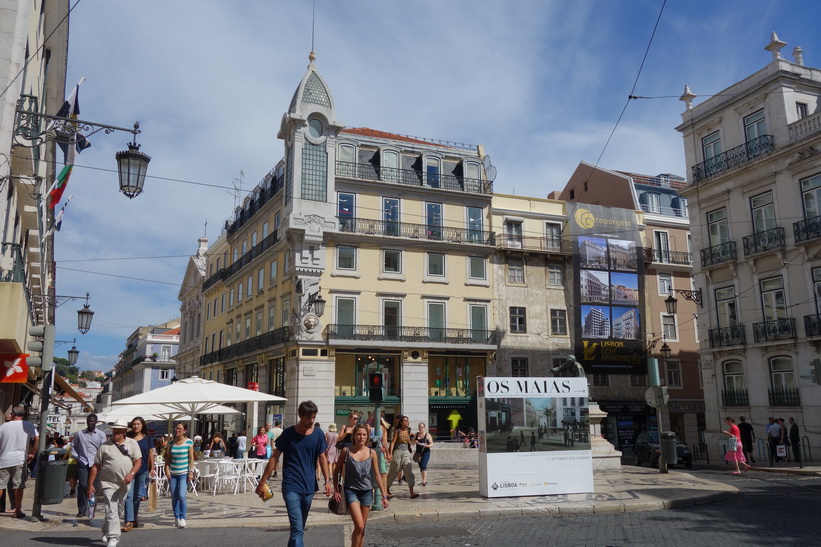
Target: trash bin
x,y
53,477
668,447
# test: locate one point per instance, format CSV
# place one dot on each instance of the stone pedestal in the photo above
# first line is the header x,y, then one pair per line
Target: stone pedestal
x,y
605,456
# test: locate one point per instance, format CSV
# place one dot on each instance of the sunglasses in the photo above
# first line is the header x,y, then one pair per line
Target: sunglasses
x,y
123,449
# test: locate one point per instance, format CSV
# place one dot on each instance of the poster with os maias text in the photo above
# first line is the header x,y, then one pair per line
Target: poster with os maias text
x,y
534,437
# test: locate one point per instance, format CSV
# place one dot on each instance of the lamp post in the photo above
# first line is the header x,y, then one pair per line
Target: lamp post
x,y
665,353
316,301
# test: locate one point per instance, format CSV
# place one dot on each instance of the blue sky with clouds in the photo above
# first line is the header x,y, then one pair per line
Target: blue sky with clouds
x,y
539,83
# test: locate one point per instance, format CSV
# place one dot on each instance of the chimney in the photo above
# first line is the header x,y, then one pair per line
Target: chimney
x,y
798,55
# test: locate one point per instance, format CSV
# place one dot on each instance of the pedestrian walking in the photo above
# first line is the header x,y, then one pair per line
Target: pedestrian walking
x,y
301,446
137,492
242,445
357,463
795,439
18,445
260,442
735,452
331,452
747,438
423,443
116,463
179,469
399,457
773,436
84,447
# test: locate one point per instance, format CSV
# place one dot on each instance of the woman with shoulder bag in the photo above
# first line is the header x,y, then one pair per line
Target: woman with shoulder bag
x,y
424,441
735,452
344,438
359,464
179,469
399,456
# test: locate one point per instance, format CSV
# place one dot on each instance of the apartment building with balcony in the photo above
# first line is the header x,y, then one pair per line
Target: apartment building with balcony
x,y
361,250
32,75
752,153
148,360
639,313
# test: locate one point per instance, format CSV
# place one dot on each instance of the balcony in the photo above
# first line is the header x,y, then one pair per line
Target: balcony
x,y
733,158
772,331
718,254
240,349
807,229
409,177
812,325
762,242
664,256
727,336
266,192
411,335
665,211
416,231
734,397
535,244
804,127
788,396
225,273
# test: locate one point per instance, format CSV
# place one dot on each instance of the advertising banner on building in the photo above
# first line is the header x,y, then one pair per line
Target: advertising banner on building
x,y
533,437
609,296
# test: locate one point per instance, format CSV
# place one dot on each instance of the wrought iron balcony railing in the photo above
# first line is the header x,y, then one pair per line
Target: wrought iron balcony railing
x,y
416,231
733,158
812,325
727,336
761,242
770,331
12,267
666,211
225,273
809,228
252,206
409,177
664,256
734,397
718,254
533,243
789,396
257,343
28,119
410,334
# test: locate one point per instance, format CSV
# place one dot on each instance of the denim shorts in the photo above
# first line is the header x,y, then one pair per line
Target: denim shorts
x,y
362,497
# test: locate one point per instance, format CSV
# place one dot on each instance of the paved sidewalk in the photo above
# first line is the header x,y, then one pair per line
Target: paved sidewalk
x,y
450,494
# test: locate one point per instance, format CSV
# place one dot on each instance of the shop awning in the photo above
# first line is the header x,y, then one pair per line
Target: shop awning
x,y
60,381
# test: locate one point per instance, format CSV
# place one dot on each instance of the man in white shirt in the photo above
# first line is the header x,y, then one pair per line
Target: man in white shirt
x,y
16,451
241,446
774,437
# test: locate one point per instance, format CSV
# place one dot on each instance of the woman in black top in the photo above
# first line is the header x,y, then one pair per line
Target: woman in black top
x,y
424,441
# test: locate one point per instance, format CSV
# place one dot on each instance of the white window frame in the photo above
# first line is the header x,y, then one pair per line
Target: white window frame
x,y
666,318
477,259
673,373
665,283
338,257
385,253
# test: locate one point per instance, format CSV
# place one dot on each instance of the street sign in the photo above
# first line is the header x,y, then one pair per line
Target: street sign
x,y
656,396
56,419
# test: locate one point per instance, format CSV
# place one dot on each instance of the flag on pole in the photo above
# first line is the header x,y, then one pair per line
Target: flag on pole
x,y
59,186
58,220
68,135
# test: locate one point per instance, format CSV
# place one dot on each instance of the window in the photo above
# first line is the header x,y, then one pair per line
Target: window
x,y
725,307
665,284
392,318
773,302
734,376
601,379
260,279
763,212
165,374
802,110
345,316
285,313
754,126
515,270
346,211
673,373
390,214
253,239
683,207
718,227
236,255
165,353
432,172
315,128
215,307
390,166
518,367
273,271
555,277
277,219
229,330
346,165
314,171
475,226
558,322
392,262
662,248
436,264
553,236
248,326
816,279
208,311
287,261
668,327
711,145
272,316
250,285
259,323
346,257
518,320
476,267
638,380
478,323
433,216
653,202
230,299
264,229
513,234
811,189
222,303
244,246
436,320
239,292
782,374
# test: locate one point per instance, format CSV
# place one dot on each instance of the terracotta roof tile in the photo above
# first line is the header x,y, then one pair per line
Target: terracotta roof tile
x,y
368,132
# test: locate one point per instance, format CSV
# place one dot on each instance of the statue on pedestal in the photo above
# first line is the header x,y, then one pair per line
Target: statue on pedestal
x,y
570,369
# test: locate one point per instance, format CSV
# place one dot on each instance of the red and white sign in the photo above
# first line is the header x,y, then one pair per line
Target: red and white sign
x,y
253,386
14,370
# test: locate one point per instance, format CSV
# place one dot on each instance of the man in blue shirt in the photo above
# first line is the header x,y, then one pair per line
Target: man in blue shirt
x,y
301,445
84,448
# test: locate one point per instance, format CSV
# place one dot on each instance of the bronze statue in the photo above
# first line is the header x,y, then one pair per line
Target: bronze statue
x,y
570,369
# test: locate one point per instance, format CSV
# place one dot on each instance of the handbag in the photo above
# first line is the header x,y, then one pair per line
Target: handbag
x,y
339,507
152,496
417,457
781,451
732,444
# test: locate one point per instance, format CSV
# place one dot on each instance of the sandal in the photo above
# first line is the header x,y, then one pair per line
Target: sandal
x,y
127,527
415,496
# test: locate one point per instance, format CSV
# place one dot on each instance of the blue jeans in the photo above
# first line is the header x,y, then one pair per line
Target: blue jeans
x,y
423,464
179,492
136,491
82,488
298,505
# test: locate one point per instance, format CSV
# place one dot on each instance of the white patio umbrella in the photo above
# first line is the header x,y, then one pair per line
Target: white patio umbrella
x,y
198,396
152,413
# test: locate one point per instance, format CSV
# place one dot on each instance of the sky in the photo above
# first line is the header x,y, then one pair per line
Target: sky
x,y
541,84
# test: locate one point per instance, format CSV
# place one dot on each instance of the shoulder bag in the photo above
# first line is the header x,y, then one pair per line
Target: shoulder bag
x,y
339,507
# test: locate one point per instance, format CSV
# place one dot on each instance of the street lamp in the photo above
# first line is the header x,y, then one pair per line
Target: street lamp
x,y
131,166
671,304
317,302
73,354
